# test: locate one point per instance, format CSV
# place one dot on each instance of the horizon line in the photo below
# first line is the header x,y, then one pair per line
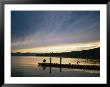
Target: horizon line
x,y
57,52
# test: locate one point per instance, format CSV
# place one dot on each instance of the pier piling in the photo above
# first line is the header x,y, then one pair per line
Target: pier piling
x,y
60,63
50,66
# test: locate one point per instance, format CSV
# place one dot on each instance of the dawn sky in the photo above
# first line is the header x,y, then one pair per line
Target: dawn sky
x,y
54,31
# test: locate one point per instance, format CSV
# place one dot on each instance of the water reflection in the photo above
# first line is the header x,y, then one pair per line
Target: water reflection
x,y
28,66
44,68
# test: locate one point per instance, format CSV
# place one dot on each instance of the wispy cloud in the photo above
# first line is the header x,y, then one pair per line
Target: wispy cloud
x,y
32,29
62,48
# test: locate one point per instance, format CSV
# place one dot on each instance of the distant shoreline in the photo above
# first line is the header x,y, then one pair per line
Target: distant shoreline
x,y
89,54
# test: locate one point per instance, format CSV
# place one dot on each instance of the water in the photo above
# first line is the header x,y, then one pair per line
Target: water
x,y
27,66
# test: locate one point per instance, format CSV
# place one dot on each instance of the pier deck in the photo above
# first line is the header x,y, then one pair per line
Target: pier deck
x,y
74,66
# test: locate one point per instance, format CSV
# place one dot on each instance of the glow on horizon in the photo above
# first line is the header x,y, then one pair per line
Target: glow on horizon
x,y
61,48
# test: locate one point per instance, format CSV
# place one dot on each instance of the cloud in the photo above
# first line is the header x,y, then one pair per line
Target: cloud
x,y
43,28
62,48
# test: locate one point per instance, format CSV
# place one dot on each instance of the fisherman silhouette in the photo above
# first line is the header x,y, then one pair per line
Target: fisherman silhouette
x,y
44,60
78,62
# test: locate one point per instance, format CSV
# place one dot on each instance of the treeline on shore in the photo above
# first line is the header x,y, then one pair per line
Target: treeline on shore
x,y
92,53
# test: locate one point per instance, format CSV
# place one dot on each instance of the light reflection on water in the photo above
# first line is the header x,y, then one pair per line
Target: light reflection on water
x,y
28,66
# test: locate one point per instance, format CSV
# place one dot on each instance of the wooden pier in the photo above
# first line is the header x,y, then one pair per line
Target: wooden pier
x,y
70,66
73,66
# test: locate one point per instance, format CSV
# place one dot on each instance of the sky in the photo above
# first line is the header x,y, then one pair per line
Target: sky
x,y
54,31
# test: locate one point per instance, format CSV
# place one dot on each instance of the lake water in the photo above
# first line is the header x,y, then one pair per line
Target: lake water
x,y
27,66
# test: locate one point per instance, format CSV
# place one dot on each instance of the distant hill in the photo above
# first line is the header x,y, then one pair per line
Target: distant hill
x,y
91,53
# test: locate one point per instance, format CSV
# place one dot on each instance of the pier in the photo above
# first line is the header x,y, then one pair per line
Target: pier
x,y
72,66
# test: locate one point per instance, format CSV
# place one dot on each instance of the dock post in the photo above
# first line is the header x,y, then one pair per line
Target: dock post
x,y
50,66
60,63
50,60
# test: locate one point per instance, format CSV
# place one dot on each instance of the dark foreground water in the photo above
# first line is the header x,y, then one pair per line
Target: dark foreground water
x,y
27,66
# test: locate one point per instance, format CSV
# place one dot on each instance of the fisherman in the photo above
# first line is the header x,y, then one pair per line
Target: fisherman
x,y
44,60
69,63
78,62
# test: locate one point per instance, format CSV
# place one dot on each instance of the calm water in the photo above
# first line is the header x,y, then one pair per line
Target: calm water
x,y
27,66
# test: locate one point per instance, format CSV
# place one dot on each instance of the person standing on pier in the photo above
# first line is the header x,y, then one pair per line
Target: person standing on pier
x,y
78,62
